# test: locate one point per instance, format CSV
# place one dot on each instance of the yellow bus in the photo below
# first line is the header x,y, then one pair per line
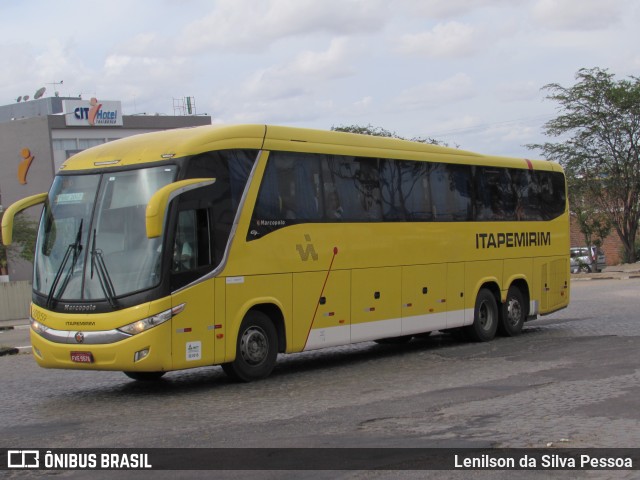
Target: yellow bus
x,y
226,245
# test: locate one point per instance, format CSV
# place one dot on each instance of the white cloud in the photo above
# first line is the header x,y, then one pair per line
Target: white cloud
x,y
303,74
450,126
148,80
245,25
332,63
279,111
513,132
19,56
144,43
45,65
316,64
451,39
432,94
363,103
518,91
449,8
119,67
577,14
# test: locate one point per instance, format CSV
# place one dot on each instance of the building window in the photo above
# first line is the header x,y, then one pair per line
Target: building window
x,y
64,144
84,143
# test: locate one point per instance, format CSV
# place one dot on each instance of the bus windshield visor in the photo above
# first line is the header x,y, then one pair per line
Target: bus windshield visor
x,y
92,243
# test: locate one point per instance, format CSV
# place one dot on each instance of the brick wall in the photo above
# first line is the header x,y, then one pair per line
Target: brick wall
x,y
612,245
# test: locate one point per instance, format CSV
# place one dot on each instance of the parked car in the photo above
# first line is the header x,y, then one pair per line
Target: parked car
x,y
587,259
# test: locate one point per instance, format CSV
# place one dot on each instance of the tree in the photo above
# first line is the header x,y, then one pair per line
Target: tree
x,y
594,224
598,128
382,132
24,241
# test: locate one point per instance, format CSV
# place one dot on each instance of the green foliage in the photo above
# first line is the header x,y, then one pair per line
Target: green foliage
x,y
594,224
598,128
624,255
382,132
24,241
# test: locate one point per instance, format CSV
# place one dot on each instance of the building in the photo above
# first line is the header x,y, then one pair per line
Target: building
x,y
37,136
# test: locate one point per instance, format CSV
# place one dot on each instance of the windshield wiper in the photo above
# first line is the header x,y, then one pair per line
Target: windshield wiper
x,y
76,248
97,262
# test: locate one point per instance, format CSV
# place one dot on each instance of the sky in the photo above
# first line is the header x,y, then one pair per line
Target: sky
x,y
466,72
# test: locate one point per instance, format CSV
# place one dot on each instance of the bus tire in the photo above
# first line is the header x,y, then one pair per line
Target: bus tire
x,y
145,376
485,317
256,349
513,313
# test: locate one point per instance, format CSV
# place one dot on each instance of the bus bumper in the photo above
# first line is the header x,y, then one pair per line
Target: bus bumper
x,y
149,351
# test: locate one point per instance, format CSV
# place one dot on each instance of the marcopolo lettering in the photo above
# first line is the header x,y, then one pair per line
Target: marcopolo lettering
x,y
512,239
68,307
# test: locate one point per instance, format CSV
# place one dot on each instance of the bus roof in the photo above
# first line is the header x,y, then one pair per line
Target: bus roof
x,y
176,143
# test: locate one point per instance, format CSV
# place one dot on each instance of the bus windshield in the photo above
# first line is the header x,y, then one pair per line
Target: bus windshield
x,y
92,240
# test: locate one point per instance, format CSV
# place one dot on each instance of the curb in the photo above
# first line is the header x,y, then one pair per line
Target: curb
x,y
581,277
588,279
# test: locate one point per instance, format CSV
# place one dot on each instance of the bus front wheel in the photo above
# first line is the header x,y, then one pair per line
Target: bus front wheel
x,y
256,349
485,317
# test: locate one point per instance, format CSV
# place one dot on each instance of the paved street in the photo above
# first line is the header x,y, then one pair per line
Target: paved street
x,y
571,379
15,336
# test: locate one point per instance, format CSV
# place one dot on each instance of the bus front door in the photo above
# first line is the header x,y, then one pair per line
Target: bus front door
x,y
194,328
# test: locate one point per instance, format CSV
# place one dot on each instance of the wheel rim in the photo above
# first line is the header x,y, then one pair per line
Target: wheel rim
x,y
254,345
485,316
514,312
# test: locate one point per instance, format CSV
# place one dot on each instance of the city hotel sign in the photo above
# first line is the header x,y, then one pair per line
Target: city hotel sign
x,y
92,113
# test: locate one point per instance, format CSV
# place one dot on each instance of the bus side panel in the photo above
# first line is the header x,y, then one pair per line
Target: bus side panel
x,y
193,335
457,316
245,292
553,283
521,268
375,305
424,293
221,327
331,324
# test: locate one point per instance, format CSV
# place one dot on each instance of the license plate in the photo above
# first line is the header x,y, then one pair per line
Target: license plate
x,y
82,357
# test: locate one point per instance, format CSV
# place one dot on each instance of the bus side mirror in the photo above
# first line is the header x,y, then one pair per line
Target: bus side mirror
x,y
13,210
159,202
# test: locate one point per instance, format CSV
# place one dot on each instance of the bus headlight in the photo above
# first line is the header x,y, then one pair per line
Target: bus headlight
x,y
140,326
38,327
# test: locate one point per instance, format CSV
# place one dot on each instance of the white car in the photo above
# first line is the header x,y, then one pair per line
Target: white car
x,y
587,259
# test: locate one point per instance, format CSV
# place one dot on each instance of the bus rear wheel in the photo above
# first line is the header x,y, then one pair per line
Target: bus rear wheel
x,y
256,349
513,313
485,317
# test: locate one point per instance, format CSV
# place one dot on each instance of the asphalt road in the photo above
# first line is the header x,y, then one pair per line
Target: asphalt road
x,y
15,336
570,380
